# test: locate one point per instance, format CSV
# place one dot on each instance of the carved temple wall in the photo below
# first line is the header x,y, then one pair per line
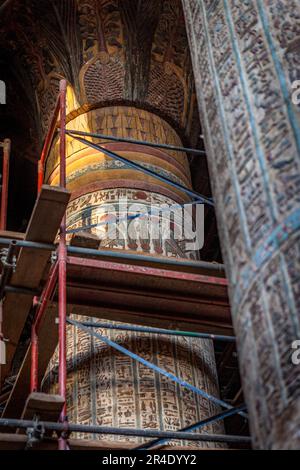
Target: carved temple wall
x,y
246,57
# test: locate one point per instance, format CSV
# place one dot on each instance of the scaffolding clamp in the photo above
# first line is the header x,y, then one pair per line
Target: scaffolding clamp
x,y
35,433
4,258
53,258
65,433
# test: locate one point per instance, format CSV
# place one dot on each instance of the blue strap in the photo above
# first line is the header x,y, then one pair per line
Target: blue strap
x,y
136,166
146,363
195,427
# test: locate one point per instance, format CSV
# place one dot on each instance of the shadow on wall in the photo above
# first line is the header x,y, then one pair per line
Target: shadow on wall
x,y
16,123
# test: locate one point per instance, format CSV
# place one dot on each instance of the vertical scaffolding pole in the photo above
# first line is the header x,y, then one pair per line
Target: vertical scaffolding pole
x,y
5,177
62,268
47,144
45,297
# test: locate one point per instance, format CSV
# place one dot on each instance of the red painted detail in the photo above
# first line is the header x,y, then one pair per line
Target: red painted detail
x,y
130,184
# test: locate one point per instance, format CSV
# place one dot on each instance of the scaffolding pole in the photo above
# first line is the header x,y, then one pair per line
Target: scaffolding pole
x,y
62,272
159,331
145,433
59,272
6,145
145,143
202,199
45,297
47,143
217,267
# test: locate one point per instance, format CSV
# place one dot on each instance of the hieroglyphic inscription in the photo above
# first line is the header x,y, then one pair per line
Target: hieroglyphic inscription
x,y
244,56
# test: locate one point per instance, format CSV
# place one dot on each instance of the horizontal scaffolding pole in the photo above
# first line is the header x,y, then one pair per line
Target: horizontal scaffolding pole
x,y
170,376
195,427
137,142
136,166
159,331
92,429
113,254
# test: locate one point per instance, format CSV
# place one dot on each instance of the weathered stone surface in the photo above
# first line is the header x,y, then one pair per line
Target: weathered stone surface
x,y
105,386
245,58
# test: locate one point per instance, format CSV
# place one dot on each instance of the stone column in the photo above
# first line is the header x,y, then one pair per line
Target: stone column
x,y
246,57
103,386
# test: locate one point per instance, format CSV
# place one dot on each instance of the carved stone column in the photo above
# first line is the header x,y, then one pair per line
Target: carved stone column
x,y
104,386
246,56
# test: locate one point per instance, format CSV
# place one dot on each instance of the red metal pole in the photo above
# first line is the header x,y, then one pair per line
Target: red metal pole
x,y
62,270
40,175
47,143
1,334
34,371
47,292
5,178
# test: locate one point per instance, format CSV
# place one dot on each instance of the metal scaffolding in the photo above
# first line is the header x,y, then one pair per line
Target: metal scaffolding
x,y
58,276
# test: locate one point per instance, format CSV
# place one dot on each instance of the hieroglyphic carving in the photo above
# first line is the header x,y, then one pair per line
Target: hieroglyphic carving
x,y
102,208
114,390
243,73
85,167
133,395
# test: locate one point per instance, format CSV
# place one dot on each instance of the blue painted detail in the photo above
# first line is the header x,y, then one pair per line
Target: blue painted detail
x,y
280,72
278,236
266,251
227,139
252,120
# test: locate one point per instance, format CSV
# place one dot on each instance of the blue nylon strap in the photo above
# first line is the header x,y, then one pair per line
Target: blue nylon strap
x,y
195,427
146,363
136,166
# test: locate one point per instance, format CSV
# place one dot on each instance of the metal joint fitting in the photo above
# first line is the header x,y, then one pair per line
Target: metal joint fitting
x,y
53,257
35,433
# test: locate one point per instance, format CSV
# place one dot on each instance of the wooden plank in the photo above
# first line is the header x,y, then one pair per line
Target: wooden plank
x,y
43,227
85,240
144,318
14,235
148,296
138,295
47,407
48,338
9,441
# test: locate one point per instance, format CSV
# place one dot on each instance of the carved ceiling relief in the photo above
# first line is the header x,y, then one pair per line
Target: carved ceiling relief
x,y
102,75
110,51
140,49
35,39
